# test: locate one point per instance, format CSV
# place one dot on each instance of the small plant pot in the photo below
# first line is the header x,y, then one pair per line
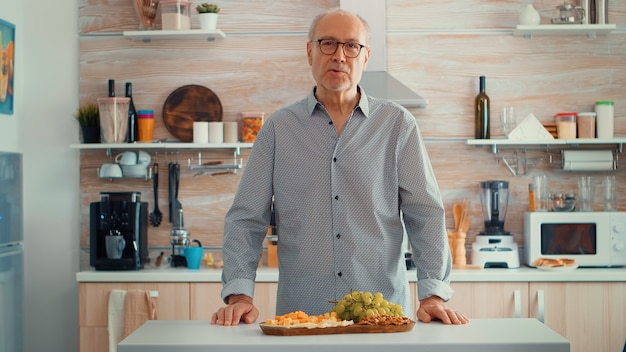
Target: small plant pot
x,y
208,21
91,134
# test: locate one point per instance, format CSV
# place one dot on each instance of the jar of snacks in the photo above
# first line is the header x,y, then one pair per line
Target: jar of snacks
x,y
251,123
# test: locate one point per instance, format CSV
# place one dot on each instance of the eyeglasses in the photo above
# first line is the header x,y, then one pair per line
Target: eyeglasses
x,y
350,49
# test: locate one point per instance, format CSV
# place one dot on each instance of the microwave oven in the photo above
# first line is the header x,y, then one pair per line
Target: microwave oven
x,y
593,239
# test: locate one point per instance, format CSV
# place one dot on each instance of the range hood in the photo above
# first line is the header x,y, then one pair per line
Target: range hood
x,y
376,81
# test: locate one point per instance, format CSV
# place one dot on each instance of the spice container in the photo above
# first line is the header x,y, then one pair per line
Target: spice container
x,y
175,14
251,123
565,125
586,122
604,119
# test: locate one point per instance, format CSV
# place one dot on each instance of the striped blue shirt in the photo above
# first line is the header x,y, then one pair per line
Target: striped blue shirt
x,y
342,204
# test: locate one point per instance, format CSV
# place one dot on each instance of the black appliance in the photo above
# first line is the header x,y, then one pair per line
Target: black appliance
x,y
118,232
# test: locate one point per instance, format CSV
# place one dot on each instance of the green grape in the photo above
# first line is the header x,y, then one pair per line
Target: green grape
x,y
340,308
357,305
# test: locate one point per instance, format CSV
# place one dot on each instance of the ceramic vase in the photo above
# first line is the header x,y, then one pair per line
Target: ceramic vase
x,y
529,16
208,21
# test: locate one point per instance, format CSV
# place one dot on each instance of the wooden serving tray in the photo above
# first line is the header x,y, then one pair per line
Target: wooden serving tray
x,y
351,329
189,104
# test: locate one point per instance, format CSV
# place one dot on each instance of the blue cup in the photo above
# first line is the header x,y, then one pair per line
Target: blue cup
x,y
193,256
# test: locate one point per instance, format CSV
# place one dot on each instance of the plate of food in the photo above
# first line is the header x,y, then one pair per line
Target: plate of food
x,y
299,323
560,264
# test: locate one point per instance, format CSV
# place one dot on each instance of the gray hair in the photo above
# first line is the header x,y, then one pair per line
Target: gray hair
x,y
341,11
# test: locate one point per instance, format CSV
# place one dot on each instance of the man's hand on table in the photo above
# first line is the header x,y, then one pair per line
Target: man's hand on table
x,y
433,307
239,309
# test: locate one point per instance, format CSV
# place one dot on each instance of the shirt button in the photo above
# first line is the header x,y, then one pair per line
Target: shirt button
x,y
338,236
330,122
339,274
335,159
336,197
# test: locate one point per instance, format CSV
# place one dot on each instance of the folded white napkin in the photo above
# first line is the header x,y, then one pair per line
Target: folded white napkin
x,y
116,318
530,129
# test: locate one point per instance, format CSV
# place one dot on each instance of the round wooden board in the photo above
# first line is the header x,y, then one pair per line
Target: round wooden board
x,y
189,104
351,329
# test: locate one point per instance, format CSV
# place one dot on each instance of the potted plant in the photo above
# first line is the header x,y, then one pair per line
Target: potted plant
x,y
88,117
207,13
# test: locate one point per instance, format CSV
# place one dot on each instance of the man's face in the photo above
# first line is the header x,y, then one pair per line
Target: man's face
x,y
337,72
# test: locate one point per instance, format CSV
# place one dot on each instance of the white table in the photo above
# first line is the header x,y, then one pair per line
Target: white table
x,y
484,335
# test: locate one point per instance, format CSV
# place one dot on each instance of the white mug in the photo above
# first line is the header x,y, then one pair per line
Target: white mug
x,y
126,158
108,170
143,158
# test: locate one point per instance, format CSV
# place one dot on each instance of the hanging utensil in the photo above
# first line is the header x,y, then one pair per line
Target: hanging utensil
x,y
177,206
156,215
170,190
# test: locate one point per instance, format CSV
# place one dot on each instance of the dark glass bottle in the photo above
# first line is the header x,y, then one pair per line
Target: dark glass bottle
x,y
111,88
133,129
481,112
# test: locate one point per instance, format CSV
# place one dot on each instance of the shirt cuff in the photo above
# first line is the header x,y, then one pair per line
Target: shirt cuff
x,y
238,287
433,287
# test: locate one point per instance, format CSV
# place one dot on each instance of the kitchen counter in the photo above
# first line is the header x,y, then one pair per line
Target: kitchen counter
x,y
523,274
485,335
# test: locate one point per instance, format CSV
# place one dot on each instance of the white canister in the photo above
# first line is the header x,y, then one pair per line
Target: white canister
x,y
231,130
216,132
605,119
201,132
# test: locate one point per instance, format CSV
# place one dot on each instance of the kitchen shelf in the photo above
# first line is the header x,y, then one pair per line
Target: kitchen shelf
x,y
164,145
108,147
520,163
590,30
148,36
494,143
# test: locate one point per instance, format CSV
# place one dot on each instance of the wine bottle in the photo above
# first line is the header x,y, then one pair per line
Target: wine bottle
x,y
133,129
481,112
111,88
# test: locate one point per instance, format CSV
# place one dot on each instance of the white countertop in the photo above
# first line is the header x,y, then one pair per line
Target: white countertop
x,y
523,274
485,335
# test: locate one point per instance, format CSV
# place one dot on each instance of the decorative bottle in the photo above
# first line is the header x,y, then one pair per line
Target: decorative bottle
x,y
481,112
111,88
133,129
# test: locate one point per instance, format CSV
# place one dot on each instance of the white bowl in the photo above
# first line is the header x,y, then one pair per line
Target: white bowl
x,y
135,170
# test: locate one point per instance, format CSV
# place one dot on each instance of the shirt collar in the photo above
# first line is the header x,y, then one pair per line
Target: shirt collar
x,y
363,104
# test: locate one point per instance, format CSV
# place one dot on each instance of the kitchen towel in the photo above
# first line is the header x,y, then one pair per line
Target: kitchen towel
x,y
116,318
138,308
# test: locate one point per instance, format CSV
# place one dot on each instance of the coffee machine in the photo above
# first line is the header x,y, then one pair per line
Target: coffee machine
x,y
494,247
118,228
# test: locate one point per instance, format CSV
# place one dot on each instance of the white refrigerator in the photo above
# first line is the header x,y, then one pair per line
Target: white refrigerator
x,y
11,253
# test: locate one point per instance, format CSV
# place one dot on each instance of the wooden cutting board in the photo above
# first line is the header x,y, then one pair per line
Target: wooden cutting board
x,y
351,329
189,104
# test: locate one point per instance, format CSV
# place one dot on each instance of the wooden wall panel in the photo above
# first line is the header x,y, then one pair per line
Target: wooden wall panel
x,y
437,48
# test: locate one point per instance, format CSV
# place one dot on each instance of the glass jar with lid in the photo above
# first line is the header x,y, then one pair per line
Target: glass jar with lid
x,y
175,14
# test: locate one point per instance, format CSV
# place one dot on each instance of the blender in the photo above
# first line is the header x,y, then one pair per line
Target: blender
x,y
494,247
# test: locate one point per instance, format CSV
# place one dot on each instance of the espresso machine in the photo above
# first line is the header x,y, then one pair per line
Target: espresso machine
x,y
118,229
494,247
